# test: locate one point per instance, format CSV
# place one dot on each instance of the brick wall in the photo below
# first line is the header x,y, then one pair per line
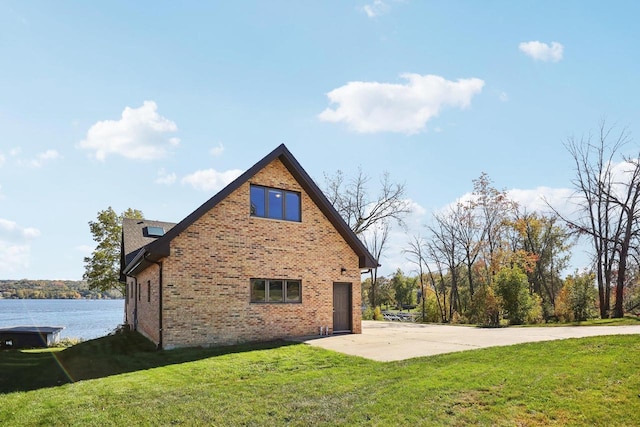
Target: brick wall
x,y
206,294
143,297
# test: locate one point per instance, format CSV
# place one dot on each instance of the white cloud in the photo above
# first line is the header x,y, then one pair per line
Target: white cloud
x,y
165,178
217,150
15,249
369,107
539,199
38,161
141,134
13,230
542,51
43,157
377,8
211,179
13,257
2,159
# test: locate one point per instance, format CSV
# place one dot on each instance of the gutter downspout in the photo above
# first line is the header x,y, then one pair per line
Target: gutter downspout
x,y
135,306
126,300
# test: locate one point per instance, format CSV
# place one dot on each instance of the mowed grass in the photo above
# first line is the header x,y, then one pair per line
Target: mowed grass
x,y
626,320
592,381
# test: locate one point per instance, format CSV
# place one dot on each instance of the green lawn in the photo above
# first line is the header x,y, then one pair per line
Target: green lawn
x,y
593,381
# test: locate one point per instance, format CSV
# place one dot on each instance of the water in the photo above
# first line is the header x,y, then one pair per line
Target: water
x,y
81,318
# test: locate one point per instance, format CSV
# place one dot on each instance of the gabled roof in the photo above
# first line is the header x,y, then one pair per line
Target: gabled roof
x,y
134,238
159,248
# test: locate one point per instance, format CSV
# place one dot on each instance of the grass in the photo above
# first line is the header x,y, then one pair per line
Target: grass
x,y
626,320
592,381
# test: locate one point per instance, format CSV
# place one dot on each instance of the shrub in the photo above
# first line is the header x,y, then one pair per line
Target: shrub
x,y
432,312
485,307
377,314
535,313
367,314
458,319
67,342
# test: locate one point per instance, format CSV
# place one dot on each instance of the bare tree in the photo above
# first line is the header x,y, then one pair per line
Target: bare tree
x,y
359,209
608,202
416,254
369,217
444,246
470,236
375,239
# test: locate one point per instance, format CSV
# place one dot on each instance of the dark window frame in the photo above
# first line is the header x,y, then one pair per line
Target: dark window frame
x,y
148,290
153,231
284,291
288,212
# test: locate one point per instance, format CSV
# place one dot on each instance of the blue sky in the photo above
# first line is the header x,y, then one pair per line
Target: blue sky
x,y
157,105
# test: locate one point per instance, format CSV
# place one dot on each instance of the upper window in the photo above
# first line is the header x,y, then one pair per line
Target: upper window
x,y
274,203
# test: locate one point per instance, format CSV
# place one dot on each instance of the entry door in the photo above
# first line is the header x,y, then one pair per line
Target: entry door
x,y
342,307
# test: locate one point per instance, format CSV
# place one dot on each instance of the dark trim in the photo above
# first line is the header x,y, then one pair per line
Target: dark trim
x,y
135,304
284,290
160,248
160,325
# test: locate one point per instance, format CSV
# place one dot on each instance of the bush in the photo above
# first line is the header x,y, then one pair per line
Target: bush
x,y
67,342
535,313
432,312
367,314
485,308
458,319
377,314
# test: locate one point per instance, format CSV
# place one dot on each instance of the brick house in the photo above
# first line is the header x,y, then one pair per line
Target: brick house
x,y
267,257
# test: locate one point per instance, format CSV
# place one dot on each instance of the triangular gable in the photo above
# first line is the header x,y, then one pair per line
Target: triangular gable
x,y
160,247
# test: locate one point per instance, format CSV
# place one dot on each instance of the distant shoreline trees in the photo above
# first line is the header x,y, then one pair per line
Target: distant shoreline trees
x,y
52,289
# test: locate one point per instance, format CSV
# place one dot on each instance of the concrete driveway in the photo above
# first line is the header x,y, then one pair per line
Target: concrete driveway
x,y
387,341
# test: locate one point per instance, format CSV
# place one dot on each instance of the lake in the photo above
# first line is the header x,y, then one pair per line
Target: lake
x,y
81,318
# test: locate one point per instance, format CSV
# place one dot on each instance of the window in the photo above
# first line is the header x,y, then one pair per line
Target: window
x,y
275,204
153,231
148,290
276,290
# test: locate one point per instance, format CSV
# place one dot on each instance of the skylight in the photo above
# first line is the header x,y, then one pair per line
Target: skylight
x,y
153,232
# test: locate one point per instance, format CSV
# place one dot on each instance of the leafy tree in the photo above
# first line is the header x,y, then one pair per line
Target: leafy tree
x,y
485,307
404,288
547,243
577,297
513,288
102,268
494,209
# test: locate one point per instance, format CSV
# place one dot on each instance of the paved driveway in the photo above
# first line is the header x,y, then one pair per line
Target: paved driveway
x,y
387,341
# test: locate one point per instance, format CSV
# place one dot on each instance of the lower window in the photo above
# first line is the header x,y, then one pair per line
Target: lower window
x,y
276,290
